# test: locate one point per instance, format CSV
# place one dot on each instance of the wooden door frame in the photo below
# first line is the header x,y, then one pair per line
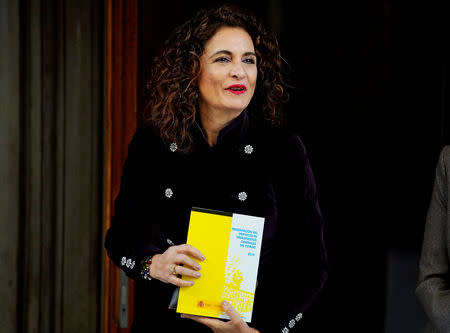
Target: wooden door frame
x,y
120,125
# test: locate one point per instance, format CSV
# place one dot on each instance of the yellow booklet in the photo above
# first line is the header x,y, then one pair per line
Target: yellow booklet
x,y
231,244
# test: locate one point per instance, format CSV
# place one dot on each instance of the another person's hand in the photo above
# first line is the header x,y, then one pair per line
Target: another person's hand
x,y
235,325
165,267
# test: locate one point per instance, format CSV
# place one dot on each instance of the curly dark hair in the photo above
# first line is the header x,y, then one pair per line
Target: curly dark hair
x,y
173,94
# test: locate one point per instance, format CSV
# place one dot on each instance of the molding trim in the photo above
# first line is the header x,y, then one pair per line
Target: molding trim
x,y
121,120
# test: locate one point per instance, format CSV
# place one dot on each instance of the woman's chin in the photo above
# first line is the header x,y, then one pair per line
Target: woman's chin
x,y
236,107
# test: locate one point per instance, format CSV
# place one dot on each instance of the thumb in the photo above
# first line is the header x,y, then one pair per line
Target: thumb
x,y
232,312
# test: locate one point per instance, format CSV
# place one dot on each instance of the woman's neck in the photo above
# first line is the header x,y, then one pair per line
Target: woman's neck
x,y
213,122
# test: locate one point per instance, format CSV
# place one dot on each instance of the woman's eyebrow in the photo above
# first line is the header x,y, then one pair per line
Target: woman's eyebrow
x,y
230,53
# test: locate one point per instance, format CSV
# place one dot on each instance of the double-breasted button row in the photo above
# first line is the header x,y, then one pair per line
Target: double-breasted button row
x,y
242,196
292,323
168,192
128,262
248,149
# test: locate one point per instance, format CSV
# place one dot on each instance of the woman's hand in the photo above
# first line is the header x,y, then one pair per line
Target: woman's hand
x,y
165,267
235,325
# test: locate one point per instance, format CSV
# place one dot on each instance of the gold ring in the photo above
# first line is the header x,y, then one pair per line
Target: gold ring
x,y
173,270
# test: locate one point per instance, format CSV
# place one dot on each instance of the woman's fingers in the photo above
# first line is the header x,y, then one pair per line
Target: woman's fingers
x,y
232,312
163,265
235,325
179,282
187,272
186,260
180,270
190,250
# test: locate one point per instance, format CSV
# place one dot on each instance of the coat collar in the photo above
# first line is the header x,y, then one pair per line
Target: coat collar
x,y
232,133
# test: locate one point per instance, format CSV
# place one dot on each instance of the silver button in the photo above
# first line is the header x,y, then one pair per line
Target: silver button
x,y
285,330
242,196
168,192
124,261
132,264
170,242
128,263
248,149
173,147
299,316
291,323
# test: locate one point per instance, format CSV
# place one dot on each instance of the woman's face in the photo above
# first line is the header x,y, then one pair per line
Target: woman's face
x,y
227,72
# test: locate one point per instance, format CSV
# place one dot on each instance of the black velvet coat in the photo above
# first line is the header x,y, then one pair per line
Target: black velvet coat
x,y
160,185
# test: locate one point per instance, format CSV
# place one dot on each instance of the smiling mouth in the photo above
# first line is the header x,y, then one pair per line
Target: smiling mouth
x,y
237,89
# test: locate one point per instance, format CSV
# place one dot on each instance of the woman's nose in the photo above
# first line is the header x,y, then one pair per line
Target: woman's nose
x,y
237,70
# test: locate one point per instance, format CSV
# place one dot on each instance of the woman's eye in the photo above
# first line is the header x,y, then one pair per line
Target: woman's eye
x,y
222,59
250,61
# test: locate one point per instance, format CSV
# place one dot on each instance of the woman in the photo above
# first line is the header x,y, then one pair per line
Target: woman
x,y
433,289
211,143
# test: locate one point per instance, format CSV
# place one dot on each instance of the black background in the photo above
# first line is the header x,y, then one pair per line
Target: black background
x,y
370,104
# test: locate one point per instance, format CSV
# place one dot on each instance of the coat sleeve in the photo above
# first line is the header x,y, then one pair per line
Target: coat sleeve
x,y
127,240
299,268
433,290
